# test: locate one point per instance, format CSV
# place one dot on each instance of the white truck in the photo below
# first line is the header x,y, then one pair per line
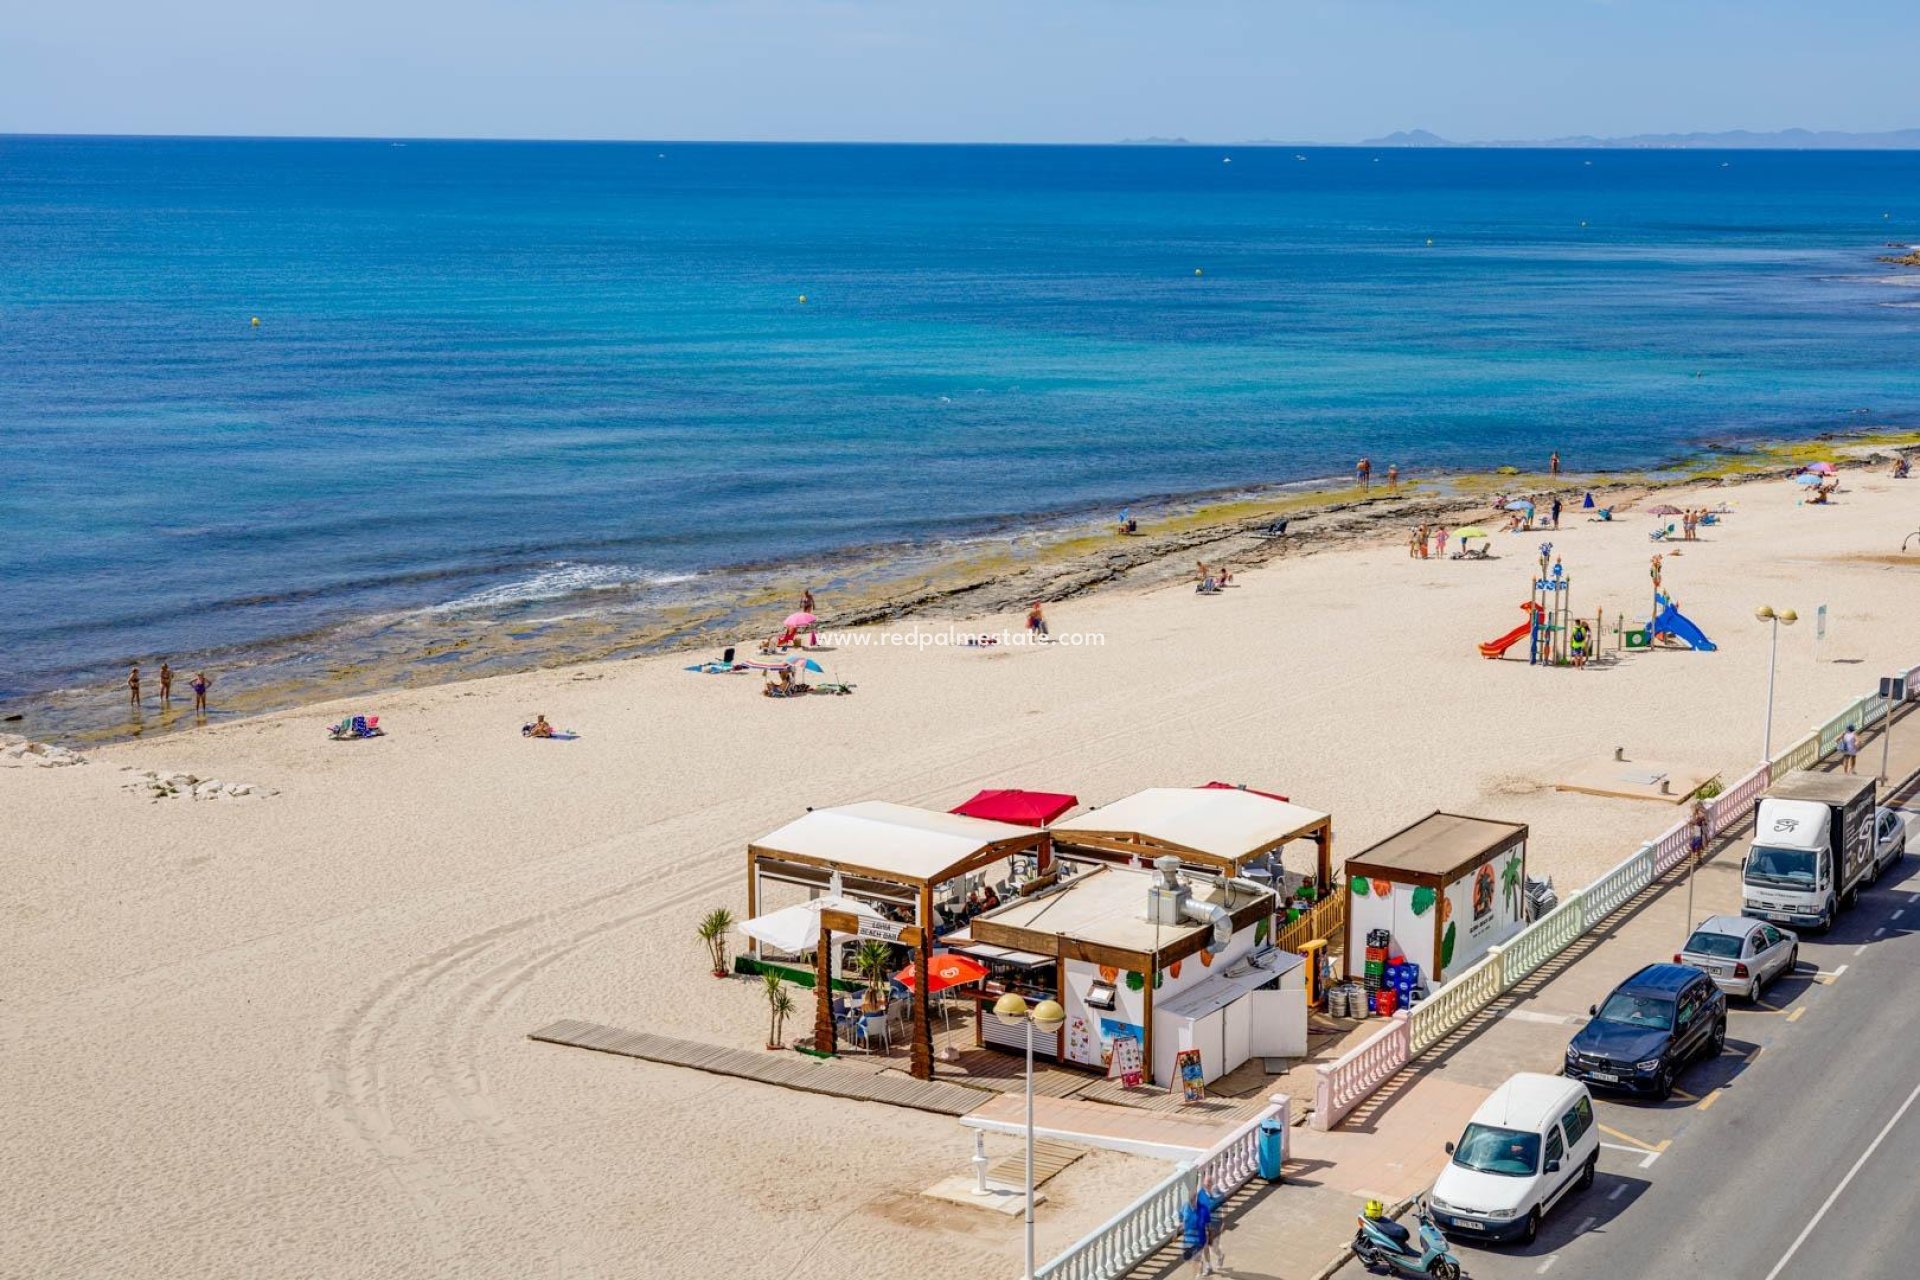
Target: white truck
x,y
1812,851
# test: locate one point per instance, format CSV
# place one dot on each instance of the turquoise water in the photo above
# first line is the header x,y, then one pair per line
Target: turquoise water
x,y
532,379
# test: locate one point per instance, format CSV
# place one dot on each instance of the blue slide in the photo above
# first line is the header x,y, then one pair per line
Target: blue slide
x,y
1673,623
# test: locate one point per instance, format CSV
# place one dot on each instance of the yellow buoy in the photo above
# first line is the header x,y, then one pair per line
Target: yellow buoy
x,y
803,299
1197,271
256,322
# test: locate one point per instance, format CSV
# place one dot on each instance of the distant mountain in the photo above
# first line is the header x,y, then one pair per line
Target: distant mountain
x,y
1154,142
1410,138
1734,140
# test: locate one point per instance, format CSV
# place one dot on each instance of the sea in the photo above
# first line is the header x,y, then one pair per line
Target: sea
x,y
294,409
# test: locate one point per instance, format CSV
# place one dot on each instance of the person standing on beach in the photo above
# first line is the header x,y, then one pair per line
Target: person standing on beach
x,y
1037,622
1553,464
201,683
1440,543
133,684
806,601
1849,749
1556,510
1393,477
166,685
1363,473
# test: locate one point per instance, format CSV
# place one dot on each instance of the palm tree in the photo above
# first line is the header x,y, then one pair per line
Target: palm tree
x,y
779,1005
872,961
713,932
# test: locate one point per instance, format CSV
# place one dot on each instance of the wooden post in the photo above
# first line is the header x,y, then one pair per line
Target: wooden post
x,y
1146,1013
753,896
825,1037
922,1066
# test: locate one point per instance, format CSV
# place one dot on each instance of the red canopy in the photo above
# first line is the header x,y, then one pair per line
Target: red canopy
x,y
1022,808
948,969
1228,786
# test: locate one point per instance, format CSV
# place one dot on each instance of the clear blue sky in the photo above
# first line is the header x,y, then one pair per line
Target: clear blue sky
x,y
954,70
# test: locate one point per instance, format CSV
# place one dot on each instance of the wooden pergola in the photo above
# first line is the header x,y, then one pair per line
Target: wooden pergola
x,y
1211,829
892,851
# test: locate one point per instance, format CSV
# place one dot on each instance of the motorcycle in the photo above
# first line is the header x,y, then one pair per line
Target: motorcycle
x,y
1382,1242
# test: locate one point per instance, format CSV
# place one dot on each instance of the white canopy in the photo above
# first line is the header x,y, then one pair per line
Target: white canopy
x,y
796,929
891,841
1224,823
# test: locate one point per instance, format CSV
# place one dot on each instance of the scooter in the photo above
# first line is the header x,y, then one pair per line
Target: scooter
x,y
1382,1242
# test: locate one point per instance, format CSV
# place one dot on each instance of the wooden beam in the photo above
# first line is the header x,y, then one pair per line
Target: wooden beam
x,y
922,1065
825,1037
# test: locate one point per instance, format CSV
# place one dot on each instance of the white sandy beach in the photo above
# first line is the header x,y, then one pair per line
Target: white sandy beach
x,y
286,1035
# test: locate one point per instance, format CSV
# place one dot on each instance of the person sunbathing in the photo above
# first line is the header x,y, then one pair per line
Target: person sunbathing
x,y
538,729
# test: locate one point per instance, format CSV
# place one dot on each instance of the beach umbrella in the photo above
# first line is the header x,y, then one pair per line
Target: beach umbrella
x,y
797,928
1519,504
948,969
1471,531
798,620
804,663
1809,477
1824,468
1664,509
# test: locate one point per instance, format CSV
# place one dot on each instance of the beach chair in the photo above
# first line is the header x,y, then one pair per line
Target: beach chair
x,y
1661,535
1278,529
869,1026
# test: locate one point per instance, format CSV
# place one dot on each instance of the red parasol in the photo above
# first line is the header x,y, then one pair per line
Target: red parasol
x,y
949,970
1022,808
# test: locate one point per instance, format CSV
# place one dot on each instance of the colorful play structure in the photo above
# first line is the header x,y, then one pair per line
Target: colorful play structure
x,y
1549,625
1668,620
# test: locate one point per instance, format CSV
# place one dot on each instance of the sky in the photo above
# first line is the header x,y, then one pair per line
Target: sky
x,y
954,70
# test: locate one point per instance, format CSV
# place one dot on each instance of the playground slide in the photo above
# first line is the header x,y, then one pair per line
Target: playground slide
x,y
1494,648
1673,623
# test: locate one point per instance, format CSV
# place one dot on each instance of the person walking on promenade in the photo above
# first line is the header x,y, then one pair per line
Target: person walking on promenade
x,y
1200,1232
133,684
166,685
201,683
1849,749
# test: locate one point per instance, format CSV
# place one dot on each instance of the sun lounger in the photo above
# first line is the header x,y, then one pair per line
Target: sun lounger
x,y
1661,535
1278,529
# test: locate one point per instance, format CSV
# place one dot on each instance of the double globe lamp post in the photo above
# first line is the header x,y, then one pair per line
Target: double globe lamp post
x,y
1777,617
1045,1018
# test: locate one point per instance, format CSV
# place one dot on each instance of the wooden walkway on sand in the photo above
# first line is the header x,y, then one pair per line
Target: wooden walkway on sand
x,y
788,1070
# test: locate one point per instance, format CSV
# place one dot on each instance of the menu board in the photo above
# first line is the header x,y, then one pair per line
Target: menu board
x,y
1189,1076
1127,1065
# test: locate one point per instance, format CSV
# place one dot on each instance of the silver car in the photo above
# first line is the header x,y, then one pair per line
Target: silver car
x,y
1889,839
1741,955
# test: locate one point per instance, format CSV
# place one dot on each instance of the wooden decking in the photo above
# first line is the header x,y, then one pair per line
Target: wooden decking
x,y
1049,1158
788,1070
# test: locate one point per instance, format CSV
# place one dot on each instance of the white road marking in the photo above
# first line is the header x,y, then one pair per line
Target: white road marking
x,y
1873,1146
1547,1265
1617,1192
1648,1164
1582,1228
1896,915
1554,1019
1880,931
1862,947
1638,1151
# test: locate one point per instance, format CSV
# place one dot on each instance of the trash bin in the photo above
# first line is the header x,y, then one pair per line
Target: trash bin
x,y
1271,1147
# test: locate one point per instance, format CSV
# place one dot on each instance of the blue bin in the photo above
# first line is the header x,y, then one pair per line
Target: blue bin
x,y
1270,1147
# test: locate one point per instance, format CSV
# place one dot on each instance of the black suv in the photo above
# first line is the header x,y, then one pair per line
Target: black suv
x,y
1652,1025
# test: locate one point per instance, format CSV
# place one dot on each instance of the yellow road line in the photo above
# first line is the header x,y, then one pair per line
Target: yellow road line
x,y
1684,1096
1795,1015
1709,1100
1630,1139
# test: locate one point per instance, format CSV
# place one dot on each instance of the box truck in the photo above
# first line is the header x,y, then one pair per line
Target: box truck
x,y
1812,848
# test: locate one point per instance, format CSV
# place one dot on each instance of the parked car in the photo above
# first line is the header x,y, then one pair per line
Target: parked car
x,y
1740,955
1531,1143
1889,839
1652,1026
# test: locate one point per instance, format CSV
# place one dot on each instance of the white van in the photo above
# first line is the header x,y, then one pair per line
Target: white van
x,y
1530,1143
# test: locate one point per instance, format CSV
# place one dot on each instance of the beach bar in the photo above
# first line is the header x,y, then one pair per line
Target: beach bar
x,y
1215,828
888,855
1442,891
1164,959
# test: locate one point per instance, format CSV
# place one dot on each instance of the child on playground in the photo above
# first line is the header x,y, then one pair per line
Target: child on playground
x,y
1579,642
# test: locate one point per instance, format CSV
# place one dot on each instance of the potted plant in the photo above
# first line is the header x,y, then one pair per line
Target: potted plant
x,y
779,1006
713,931
872,961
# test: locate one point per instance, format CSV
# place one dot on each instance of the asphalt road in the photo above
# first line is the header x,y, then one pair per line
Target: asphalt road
x,y
1795,1156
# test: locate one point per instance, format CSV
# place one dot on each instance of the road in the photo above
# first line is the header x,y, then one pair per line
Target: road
x,y
1795,1156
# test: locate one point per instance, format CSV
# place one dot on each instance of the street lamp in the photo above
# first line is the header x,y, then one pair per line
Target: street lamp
x,y
1767,613
1046,1017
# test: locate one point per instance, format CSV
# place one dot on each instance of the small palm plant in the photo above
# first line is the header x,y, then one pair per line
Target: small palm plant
x,y
779,1007
713,931
872,961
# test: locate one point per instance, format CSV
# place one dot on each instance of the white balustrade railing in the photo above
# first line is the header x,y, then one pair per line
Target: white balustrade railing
x,y
1123,1241
1670,846
1454,1001
1803,754
1346,1083
1731,807
1619,884
1830,732
1545,938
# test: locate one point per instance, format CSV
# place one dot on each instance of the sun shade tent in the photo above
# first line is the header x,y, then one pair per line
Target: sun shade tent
x,y
1446,888
1022,809
889,852
1215,829
797,928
